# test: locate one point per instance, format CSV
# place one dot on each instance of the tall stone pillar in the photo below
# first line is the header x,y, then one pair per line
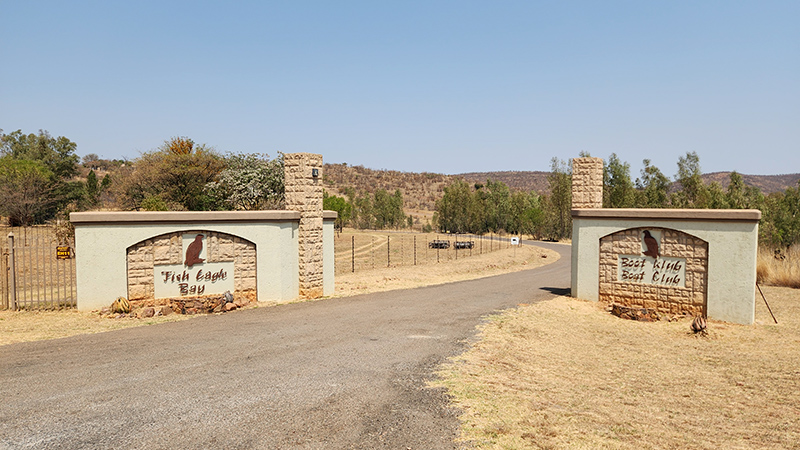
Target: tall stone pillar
x,y
303,181
587,183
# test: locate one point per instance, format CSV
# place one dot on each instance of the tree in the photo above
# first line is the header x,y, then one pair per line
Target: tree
x,y
92,188
36,173
248,182
618,190
496,206
454,209
557,222
742,196
653,187
27,190
781,218
169,173
692,193
342,207
89,159
57,154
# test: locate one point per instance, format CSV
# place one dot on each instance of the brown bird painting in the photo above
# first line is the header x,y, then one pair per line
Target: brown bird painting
x,y
651,244
193,251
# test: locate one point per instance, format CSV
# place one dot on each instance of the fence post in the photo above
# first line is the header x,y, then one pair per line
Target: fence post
x,y
388,256
415,250
456,246
12,280
353,253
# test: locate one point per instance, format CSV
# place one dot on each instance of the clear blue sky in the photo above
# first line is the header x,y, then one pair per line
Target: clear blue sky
x,y
438,86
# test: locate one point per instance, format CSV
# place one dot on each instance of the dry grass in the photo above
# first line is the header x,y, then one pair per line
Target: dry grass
x,y
779,269
370,250
567,374
37,325
465,268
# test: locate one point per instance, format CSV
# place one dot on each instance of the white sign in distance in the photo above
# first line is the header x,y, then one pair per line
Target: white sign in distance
x,y
664,271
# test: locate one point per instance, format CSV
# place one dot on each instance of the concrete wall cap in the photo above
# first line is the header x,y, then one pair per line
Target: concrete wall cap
x,y
738,215
94,217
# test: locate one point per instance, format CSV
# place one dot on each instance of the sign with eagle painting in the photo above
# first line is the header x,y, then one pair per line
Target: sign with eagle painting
x,y
650,266
195,276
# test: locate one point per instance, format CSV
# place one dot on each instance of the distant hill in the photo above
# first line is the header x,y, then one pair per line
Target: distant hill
x,y
421,190
767,183
515,180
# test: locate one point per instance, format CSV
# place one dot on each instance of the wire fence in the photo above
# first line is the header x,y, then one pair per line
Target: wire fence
x,y
37,269
359,251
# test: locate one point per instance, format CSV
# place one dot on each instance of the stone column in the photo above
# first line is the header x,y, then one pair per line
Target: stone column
x,y
587,183
303,181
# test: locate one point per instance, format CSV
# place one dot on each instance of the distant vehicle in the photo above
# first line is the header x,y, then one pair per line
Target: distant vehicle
x,y
514,241
465,244
439,243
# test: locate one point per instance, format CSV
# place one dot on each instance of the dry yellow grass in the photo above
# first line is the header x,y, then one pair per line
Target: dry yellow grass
x,y
466,268
781,269
567,374
36,325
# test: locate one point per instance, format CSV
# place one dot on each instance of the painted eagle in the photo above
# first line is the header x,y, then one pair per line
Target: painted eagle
x,y
651,244
193,251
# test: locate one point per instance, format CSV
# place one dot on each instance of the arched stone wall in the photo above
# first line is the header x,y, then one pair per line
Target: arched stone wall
x,y
674,282
167,250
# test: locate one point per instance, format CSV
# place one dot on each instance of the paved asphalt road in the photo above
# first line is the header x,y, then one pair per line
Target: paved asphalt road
x,y
338,373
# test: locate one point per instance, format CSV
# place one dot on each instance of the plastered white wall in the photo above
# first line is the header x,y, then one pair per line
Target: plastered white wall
x,y
732,250
328,258
101,267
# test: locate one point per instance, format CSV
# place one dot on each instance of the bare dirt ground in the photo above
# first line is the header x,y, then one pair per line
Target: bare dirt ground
x,y
467,268
566,373
24,326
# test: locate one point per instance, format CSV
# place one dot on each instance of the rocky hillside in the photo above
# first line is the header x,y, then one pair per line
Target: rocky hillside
x,y
421,190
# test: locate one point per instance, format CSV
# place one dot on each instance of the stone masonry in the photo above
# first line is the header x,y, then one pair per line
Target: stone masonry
x,y
304,195
167,249
690,300
587,183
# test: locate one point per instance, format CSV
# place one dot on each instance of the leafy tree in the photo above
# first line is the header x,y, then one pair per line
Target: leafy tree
x,y
526,214
89,159
454,209
741,196
618,190
557,221
653,187
691,194
169,173
496,206
57,154
36,173
248,182
340,205
26,188
92,187
780,222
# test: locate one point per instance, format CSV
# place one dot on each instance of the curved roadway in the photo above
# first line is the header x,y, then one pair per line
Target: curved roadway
x,y
339,373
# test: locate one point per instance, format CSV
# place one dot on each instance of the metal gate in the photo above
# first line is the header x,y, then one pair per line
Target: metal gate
x,y
36,270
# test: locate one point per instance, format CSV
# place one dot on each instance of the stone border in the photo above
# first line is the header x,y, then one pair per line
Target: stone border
x,y
690,299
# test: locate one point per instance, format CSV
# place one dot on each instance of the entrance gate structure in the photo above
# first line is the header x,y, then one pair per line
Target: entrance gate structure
x,y
675,261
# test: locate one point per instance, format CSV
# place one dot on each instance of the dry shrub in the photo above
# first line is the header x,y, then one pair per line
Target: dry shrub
x,y
779,267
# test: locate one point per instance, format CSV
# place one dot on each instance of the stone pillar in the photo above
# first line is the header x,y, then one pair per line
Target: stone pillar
x,y
587,183
303,181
